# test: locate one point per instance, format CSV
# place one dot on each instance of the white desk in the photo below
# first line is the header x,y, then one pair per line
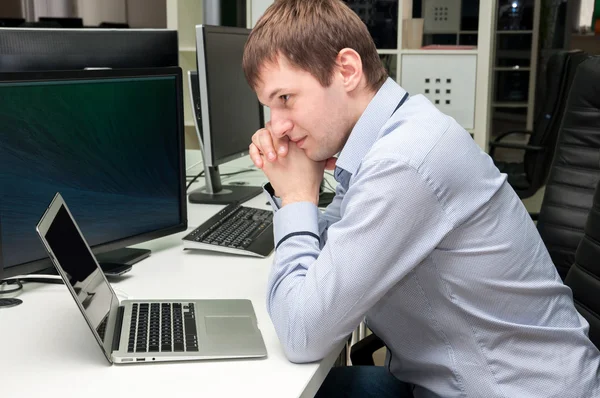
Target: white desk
x,y
46,348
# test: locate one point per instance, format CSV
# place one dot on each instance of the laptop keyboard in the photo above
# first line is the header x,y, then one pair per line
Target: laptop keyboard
x,y
101,329
163,327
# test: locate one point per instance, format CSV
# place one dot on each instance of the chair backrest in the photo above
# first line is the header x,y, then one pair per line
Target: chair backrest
x,y
549,95
584,276
575,169
559,79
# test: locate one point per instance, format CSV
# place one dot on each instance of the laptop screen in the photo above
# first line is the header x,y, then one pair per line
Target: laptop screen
x,y
87,280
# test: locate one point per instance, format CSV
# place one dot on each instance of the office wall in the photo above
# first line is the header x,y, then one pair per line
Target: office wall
x,y
588,43
11,9
255,10
54,8
147,13
93,11
584,12
138,13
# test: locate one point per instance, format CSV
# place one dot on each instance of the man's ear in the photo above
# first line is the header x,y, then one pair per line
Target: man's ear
x,y
349,66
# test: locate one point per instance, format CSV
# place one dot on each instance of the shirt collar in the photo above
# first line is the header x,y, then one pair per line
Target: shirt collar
x,y
366,131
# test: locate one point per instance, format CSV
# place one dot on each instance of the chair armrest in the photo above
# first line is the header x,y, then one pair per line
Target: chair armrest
x,y
503,135
362,352
524,147
494,144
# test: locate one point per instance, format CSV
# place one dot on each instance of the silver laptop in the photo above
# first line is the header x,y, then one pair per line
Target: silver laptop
x,y
141,331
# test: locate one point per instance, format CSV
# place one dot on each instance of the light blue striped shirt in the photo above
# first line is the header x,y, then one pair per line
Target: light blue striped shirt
x,y
427,240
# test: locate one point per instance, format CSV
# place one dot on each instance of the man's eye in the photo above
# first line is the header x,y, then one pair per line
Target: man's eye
x,y
284,98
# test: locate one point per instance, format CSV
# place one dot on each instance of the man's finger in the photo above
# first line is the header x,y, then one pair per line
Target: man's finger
x,y
256,138
255,156
330,164
281,145
265,144
279,130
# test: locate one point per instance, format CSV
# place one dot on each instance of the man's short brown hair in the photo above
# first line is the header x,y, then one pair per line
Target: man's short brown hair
x,y
310,34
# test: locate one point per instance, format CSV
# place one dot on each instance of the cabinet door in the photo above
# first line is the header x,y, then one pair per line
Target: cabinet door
x,y
451,88
442,16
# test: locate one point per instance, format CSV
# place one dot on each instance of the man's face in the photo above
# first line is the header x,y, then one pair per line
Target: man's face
x,y
315,117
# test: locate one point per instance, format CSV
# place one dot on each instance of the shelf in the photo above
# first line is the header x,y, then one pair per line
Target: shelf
x,y
523,54
509,104
515,64
441,32
512,68
187,49
518,119
477,31
454,32
189,123
387,51
514,32
426,51
439,52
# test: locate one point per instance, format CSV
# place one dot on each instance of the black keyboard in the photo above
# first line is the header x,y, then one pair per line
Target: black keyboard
x,y
235,229
162,327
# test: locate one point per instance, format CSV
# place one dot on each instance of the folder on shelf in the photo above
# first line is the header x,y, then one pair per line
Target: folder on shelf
x,y
412,33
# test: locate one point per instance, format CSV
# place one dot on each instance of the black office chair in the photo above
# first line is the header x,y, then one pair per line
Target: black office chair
x,y
584,276
528,176
575,170
574,174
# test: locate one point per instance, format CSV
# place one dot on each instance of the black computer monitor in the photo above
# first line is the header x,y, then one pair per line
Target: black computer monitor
x,y
11,22
25,49
110,141
113,25
230,110
64,22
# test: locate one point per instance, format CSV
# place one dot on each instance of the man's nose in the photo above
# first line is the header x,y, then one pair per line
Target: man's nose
x,y
280,126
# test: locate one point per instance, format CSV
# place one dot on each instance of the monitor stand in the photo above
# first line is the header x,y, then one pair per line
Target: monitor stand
x,y
124,256
110,260
217,194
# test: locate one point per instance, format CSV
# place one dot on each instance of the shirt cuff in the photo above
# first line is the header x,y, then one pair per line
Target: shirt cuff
x,y
275,201
278,202
296,217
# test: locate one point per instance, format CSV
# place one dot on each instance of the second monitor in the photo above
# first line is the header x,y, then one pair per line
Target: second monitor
x,y
228,111
110,141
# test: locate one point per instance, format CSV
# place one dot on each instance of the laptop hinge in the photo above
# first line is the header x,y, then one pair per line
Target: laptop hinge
x,y
118,326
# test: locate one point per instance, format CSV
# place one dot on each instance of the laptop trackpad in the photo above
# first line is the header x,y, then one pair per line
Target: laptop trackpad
x,y
229,325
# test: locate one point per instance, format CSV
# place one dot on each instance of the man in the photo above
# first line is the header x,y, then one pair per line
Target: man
x,y
424,238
